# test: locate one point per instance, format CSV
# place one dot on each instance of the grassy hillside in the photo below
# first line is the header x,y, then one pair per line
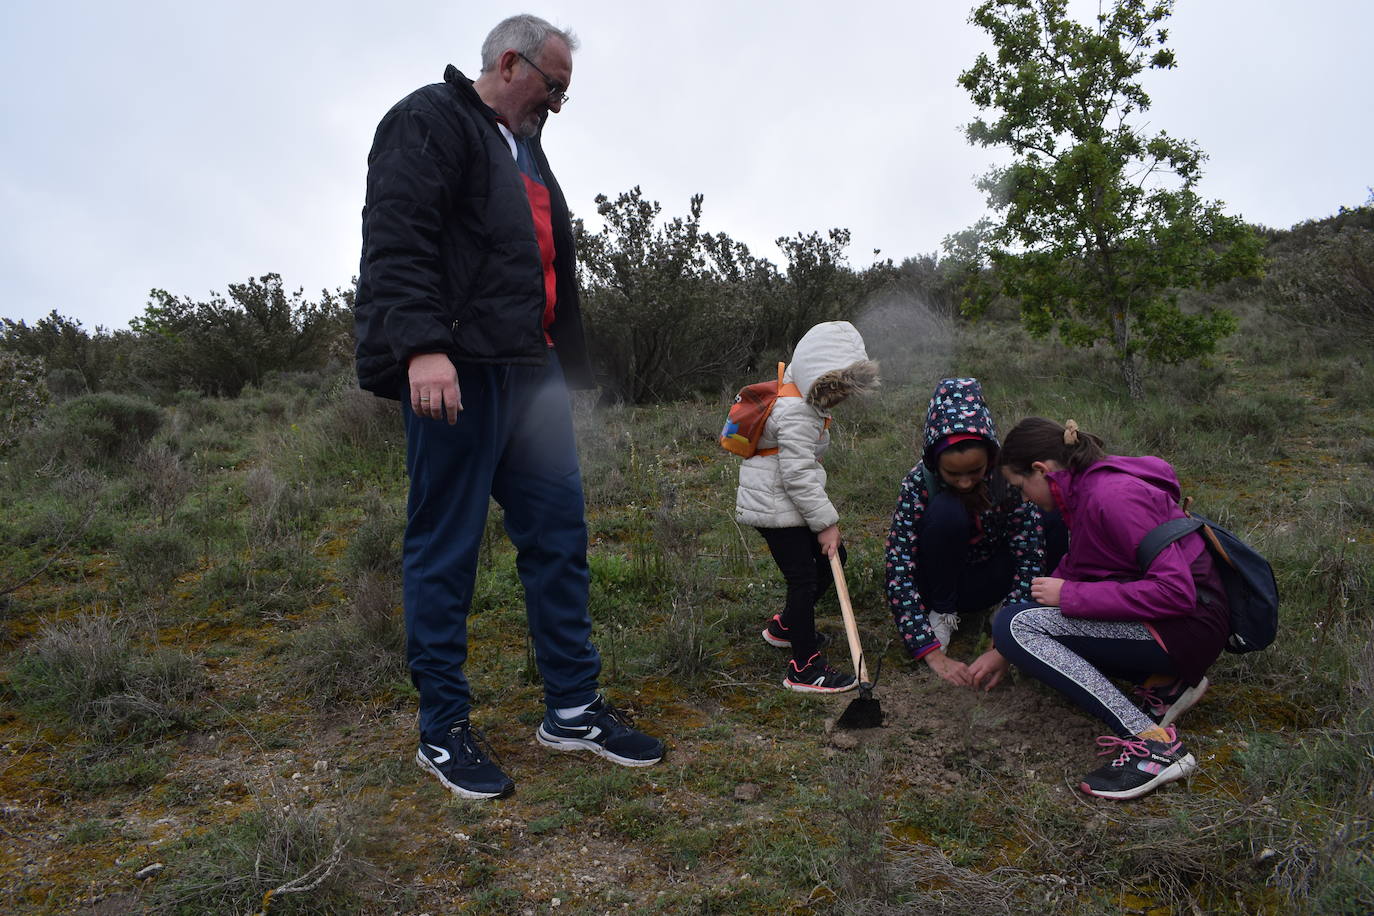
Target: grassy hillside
x,y
205,707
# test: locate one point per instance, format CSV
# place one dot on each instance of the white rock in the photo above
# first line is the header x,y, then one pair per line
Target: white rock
x,y
149,870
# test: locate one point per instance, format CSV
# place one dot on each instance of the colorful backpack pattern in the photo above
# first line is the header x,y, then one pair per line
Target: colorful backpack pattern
x,y
749,415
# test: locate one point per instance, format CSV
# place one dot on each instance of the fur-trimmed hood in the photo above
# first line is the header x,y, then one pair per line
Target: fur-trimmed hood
x,y
830,363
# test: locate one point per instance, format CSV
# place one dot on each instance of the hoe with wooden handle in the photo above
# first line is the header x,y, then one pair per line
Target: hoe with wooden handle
x,y
865,711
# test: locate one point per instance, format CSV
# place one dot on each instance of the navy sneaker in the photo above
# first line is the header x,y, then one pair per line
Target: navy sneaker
x,y
817,677
1165,704
464,764
1141,766
775,634
601,729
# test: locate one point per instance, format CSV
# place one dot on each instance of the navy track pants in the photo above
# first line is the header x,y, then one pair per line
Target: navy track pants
x,y
513,442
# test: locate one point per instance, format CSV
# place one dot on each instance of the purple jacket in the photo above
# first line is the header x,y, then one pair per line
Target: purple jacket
x,y
1109,508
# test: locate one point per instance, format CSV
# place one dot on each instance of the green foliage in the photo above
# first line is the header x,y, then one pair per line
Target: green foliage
x,y
23,396
358,652
66,349
669,308
1100,223
820,286
262,863
1322,276
153,558
220,345
163,481
673,310
92,673
95,431
375,547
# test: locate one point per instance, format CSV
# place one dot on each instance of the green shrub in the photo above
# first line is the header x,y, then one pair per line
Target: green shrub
x,y
356,440
98,431
1324,282
355,654
153,558
375,547
277,508
274,581
23,396
90,672
163,481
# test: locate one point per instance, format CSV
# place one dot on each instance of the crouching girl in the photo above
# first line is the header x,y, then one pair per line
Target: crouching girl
x,y
962,539
1098,616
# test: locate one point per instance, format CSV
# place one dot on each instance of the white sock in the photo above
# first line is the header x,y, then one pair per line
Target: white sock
x,y
571,711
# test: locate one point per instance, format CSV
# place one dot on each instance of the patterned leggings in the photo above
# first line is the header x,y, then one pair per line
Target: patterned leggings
x,y
1077,656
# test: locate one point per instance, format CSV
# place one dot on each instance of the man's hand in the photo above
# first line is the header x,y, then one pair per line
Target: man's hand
x,y
434,387
949,669
829,540
988,669
1045,590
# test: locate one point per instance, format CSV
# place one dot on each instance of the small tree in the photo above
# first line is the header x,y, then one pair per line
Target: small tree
x,y
64,346
23,396
668,307
221,345
1101,225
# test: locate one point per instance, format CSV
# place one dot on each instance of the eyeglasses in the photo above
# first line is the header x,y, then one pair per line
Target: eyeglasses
x,y
556,93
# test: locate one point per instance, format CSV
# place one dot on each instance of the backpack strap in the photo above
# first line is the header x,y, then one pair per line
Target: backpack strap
x,y
1162,536
786,389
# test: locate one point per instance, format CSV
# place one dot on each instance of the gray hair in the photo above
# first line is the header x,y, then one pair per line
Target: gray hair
x,y
524,34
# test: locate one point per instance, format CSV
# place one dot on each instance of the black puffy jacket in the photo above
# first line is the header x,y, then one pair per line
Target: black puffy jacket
x,y
450,261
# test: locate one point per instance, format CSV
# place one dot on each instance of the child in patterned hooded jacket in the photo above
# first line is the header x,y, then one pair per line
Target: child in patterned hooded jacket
x,y
962,539
782,493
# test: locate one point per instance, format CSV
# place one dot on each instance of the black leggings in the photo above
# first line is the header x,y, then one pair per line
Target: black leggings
x,y
806,569
949,583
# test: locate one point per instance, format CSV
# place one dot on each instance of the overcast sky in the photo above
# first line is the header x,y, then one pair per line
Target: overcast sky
x,y
188,145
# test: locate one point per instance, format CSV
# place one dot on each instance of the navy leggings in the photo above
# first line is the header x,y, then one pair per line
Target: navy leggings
x,y
513,442
806,570
949,582
1077,657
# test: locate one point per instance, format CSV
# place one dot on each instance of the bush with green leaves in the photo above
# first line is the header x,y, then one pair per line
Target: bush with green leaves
x,y
669,308
76,360
153,557
1100,224
24,396
1323,279
356,653
93,673
99,431
220,345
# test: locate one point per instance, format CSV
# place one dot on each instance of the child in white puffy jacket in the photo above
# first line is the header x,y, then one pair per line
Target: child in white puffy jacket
x,y
782,493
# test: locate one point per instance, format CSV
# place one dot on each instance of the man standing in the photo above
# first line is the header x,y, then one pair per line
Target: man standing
x,y
467,313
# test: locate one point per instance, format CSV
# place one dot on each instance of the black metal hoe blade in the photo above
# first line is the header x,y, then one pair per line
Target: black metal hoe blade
x,y
863,712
